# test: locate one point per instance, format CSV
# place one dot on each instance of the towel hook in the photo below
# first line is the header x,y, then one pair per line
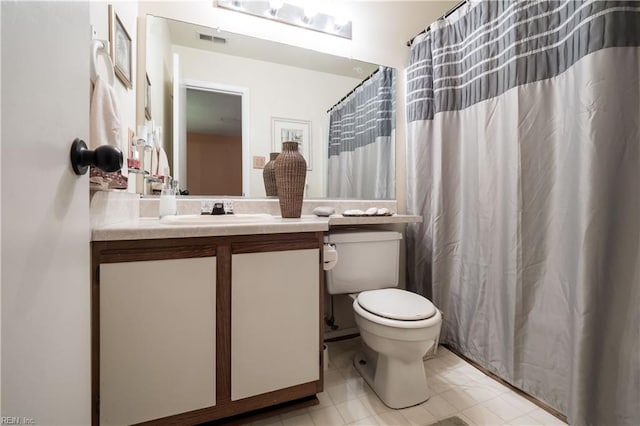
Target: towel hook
x,y
101,47
105,157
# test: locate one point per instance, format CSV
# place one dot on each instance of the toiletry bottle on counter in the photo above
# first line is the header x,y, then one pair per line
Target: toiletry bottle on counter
x,y
168,198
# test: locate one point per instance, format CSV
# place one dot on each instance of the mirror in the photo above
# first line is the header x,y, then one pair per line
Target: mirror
x,y
260,88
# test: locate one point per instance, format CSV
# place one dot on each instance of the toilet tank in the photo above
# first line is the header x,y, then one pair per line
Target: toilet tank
x,y
367,260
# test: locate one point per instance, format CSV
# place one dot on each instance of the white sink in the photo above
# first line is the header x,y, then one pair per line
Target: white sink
x,y
196,219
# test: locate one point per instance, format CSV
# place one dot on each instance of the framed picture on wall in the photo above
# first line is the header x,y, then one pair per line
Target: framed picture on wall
x,y
121,54
291,130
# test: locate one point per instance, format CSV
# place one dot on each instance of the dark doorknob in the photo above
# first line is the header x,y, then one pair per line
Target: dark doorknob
x,y
105,157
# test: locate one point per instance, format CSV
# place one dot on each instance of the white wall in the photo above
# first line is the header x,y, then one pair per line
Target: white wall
x,y
275,91
380,32
45,213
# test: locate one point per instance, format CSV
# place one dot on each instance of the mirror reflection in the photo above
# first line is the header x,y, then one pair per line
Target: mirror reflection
x,y
224,101
214,142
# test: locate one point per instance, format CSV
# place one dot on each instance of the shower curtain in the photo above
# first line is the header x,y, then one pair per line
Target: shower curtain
x,y
361,141
523,157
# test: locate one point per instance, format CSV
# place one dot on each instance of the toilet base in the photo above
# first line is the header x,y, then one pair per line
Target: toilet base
x,y
365,366
398,384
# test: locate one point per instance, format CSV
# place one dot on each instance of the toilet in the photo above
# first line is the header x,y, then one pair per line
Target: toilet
x,y
397,327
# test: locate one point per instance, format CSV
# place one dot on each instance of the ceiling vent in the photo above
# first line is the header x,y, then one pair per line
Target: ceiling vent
x,y
211,38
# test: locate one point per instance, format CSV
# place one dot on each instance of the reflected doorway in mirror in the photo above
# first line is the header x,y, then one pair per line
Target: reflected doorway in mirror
x,y
212,126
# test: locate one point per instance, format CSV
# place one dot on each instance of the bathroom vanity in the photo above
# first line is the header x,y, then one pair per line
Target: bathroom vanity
x,y
188,330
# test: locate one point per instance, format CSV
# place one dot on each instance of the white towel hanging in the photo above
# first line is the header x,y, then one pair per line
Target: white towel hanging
x,y
101,47
105,125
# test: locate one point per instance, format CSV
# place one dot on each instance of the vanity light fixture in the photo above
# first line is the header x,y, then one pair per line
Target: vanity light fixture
x,y
305,17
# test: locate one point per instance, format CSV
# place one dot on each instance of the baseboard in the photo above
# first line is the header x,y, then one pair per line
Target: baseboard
x,y
519,391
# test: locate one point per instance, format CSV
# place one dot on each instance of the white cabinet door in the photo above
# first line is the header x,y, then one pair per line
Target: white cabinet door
x,y
274,321
157,339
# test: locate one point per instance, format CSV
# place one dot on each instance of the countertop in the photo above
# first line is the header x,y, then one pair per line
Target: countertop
x,y
152,228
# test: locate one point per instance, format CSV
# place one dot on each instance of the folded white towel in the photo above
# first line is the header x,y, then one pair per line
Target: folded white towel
x,y
161,168
105,120
163,163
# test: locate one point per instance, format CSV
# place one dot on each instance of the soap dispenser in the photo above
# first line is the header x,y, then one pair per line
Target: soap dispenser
x,y
168,205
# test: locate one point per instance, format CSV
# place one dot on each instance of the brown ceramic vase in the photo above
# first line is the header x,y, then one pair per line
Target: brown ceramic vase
x,y
269,175
291,172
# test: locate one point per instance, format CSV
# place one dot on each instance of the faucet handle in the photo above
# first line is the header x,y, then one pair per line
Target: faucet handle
x,y
228,207
206,206
147,184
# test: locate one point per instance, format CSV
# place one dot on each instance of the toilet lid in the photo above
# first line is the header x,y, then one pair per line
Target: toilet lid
x,y
397,304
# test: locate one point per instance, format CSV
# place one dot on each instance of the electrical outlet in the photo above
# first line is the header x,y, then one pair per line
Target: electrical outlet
x,y
258,162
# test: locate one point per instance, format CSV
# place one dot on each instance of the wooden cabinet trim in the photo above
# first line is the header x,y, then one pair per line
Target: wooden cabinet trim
x,y
137,251
223,326
267,246
95,338
180,248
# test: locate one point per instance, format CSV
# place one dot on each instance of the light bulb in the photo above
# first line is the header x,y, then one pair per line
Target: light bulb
x,y
340,21
310,11
275,4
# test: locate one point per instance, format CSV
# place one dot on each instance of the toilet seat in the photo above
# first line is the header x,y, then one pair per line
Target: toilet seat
x,y
396,304
392,323
395,323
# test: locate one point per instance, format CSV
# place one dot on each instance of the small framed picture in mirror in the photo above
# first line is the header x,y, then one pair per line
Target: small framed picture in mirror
x,y
291,130
147,99
120,42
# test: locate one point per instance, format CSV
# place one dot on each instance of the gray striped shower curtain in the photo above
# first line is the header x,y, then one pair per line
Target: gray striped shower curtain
x,y
523,157
362,141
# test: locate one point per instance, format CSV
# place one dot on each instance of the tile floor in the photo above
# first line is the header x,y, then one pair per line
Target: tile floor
x,y
459,389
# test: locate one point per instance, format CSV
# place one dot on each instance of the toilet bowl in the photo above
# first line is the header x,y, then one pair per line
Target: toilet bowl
x,y
391,362
397,327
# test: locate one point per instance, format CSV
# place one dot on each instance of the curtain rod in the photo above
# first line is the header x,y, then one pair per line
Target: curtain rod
x,y
446,14
354,89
